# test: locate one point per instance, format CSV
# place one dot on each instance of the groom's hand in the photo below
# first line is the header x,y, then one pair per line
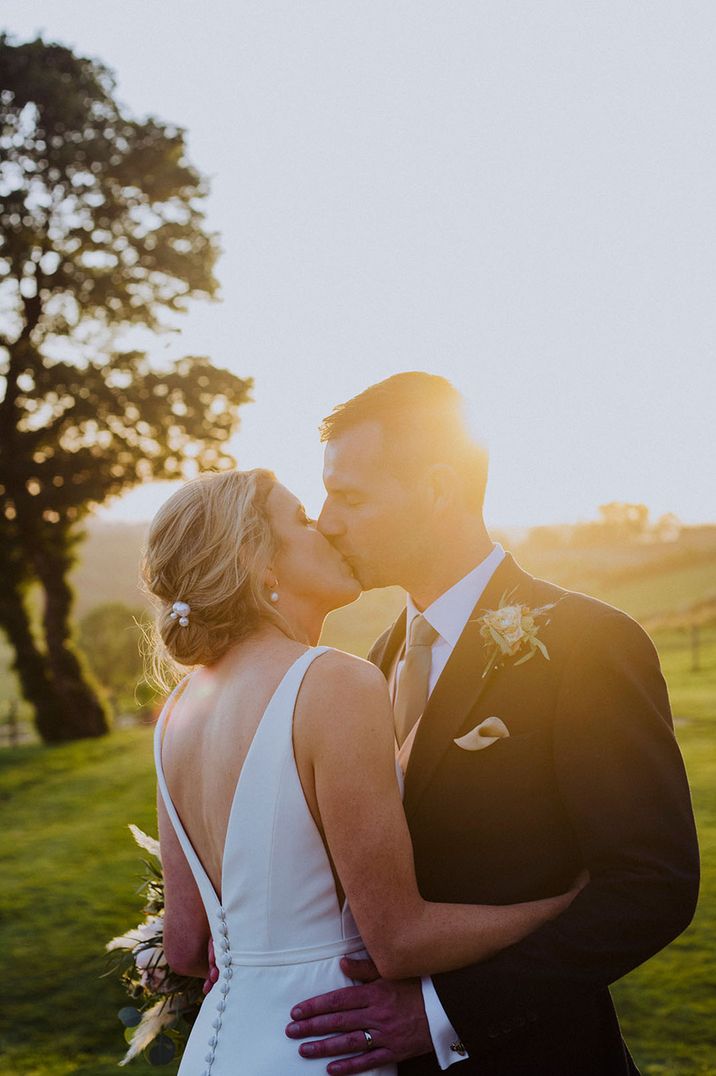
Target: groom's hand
x,y
213,975
391,1010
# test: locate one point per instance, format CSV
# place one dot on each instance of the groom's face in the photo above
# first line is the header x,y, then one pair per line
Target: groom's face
x,y
370,515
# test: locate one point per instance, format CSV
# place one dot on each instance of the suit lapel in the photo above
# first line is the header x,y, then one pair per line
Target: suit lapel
x,y
460,685
384,656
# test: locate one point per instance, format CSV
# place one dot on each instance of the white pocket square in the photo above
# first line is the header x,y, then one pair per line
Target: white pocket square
x,y
486,733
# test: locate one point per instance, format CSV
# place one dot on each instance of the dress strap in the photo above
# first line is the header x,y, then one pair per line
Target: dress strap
x,y
208,893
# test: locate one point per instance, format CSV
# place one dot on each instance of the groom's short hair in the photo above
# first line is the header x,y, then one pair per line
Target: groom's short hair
x,y
422,412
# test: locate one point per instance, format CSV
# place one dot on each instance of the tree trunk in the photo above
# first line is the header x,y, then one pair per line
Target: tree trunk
x,y
30,663
83,713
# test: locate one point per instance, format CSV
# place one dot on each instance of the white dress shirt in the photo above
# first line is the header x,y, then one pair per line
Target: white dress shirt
x,y
448,614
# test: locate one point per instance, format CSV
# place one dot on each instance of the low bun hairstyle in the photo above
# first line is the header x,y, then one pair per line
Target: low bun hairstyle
x,y
209,545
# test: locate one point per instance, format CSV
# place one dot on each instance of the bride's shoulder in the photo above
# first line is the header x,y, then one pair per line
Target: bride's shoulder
x,y
338,664
344,677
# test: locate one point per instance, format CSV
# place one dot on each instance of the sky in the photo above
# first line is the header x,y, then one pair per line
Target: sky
x,y
518,196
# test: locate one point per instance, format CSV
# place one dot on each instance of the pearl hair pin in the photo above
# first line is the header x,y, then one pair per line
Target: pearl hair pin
x,y
180,611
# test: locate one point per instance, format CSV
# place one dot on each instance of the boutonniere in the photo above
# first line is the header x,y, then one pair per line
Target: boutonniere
x,y
513,630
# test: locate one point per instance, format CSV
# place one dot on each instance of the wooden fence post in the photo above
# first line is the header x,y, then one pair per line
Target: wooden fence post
x,y
695,648
13,728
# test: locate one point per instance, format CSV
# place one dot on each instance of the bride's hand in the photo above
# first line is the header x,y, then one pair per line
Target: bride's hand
x,y
583,879
563,901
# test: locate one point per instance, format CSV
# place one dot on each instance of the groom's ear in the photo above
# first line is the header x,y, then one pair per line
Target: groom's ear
x,y
442,486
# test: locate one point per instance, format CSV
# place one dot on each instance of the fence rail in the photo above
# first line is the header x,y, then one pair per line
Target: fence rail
x,y
697,639
13,731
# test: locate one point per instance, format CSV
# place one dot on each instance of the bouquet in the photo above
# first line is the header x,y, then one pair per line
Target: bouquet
x,y
164,1004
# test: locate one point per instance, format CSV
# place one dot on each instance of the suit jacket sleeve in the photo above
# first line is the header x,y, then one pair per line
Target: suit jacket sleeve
x,y
622,782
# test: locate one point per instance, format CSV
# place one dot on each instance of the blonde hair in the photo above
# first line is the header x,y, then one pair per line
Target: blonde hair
x,y
209,545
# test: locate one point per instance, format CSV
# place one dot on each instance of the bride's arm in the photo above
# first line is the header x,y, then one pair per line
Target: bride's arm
x,y
344,719
186,928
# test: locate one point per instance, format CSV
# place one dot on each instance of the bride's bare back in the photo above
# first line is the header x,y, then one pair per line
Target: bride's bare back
x,y
210,732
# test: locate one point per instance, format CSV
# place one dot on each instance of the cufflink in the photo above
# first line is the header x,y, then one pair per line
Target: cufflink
x,y
458,1048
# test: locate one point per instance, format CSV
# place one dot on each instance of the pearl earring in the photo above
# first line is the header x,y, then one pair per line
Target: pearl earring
x,y
273,596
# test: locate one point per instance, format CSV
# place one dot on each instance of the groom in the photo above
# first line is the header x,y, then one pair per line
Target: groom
x,y
520,772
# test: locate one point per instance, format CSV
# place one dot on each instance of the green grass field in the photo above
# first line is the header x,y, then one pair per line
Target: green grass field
x,y
71,869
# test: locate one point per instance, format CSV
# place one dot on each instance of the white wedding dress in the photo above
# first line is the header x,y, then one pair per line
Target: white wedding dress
x,y
278,930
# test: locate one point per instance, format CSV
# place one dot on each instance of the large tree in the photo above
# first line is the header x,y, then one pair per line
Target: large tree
x,y
101,229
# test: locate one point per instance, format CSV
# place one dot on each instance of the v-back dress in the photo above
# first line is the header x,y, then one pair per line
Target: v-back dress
x,y
278,929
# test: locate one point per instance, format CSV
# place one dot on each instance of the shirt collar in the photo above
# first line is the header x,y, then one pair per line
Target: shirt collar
x,y
449,613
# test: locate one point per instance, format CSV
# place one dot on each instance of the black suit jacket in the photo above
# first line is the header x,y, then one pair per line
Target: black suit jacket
x,y
590,775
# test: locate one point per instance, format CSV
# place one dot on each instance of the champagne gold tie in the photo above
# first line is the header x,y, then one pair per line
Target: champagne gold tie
x,y
413,682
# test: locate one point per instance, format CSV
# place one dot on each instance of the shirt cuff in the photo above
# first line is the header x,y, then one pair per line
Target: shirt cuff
x,y
446,1041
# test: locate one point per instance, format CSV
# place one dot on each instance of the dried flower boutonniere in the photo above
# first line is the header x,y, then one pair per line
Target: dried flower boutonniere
x,y
513,629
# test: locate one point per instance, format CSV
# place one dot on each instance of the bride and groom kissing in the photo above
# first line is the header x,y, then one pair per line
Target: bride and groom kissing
x,y
443,855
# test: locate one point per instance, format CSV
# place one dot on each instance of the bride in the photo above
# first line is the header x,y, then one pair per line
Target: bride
x,y
280,818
